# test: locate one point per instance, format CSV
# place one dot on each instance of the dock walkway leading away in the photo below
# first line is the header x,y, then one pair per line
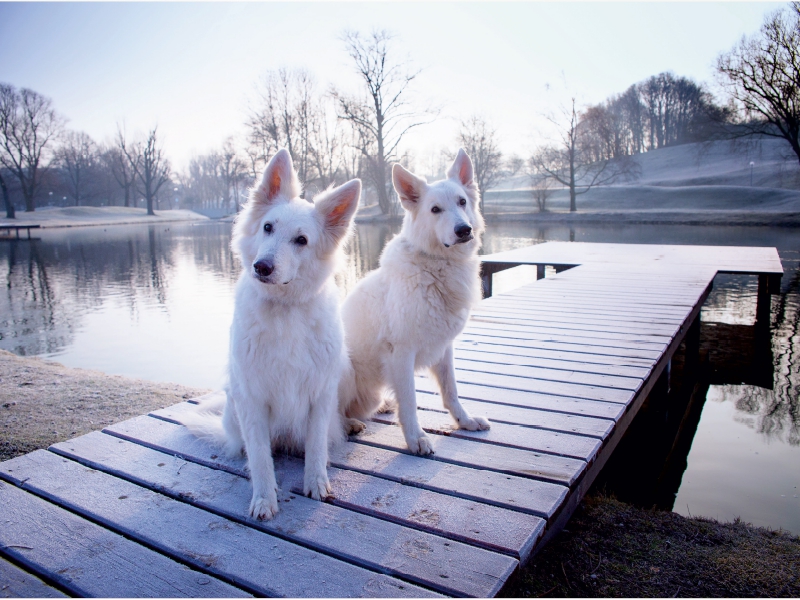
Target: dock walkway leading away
x,y
560,367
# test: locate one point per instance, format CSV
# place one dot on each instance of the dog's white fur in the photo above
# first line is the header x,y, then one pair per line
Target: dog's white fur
x,y
286,345
405,315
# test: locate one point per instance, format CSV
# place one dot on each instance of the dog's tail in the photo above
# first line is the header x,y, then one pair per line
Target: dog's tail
x,y
205,421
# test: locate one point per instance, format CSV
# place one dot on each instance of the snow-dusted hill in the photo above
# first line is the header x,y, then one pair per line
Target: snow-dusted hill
x,y
715,177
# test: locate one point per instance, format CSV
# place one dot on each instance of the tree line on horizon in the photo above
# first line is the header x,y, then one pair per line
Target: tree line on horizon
x,y
334,135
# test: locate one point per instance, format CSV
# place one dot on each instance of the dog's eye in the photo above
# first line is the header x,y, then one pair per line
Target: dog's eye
x,y
268,227
462,201
436,209
301,240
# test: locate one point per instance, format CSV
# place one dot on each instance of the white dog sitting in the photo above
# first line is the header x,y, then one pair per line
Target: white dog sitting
x,y
286,337
405,315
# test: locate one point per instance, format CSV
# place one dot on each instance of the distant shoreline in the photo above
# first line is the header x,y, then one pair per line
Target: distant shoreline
x,y
109,216
633,217
92,216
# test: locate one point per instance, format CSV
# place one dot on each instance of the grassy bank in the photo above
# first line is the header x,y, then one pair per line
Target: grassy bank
x,y
611,549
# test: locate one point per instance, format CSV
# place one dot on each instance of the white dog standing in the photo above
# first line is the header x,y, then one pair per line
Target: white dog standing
x,y
405,315
286,337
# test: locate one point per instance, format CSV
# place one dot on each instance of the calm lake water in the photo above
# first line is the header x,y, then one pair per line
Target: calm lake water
x,y
155,302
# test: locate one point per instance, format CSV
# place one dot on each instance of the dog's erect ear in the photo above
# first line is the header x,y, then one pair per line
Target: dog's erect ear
x,y
461,169
408,186
279,179
337,207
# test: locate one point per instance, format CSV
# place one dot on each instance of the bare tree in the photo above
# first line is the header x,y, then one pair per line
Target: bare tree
x,y
120,167
479,140
28,125
762,75
512,165
78,157
542,187
327,149
150,167
11,213
385,115
286,115
232,170
569,163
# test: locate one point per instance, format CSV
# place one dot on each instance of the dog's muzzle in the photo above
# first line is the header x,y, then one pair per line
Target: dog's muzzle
x,y
262,269
463,233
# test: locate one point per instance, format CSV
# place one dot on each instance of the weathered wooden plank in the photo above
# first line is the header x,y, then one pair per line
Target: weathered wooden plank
x,y
482,393
550,288
550,343
474,523
528,417
564,362
608,281
637,257
552,315
621,342
513,461
16,583
513,436
545,386
614,284
575,323
478,346
448,567
598,298
622,280
545,465
644,335
606,296
567,306
489,487
535,497
550,374
363,492
88,560
531,301
262,564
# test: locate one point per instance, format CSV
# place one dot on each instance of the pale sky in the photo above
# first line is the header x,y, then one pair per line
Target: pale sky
x,y
191,67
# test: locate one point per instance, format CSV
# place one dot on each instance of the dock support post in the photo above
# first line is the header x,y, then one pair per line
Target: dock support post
x,y
767,285
486,280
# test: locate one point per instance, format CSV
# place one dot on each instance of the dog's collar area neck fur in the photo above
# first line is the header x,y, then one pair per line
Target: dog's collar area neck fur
x,y
411,249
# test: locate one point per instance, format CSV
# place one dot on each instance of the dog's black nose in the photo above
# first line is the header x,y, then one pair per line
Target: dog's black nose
x,y
264,267
463,230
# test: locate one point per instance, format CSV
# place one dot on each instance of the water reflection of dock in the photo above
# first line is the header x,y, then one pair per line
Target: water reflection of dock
x,y
561,367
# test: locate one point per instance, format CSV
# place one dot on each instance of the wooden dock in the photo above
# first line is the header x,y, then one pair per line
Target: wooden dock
x,y
16,228
560,367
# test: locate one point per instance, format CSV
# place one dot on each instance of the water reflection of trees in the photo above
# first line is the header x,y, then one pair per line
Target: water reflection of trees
x,y
52,283
363,252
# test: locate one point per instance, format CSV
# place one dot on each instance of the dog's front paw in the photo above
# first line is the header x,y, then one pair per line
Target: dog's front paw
x,y
264,507
474,424
420,445
353,426
317,486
